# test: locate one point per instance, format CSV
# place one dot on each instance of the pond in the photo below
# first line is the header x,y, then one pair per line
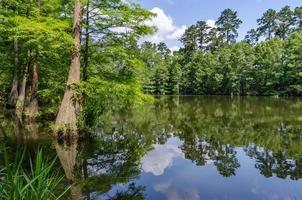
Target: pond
x,y
182,148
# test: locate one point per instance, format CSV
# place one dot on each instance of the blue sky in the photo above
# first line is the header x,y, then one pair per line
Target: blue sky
x,y
183,13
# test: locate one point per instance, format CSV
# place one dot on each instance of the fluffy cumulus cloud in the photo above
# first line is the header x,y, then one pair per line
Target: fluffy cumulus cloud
x,y
166,28
174,48
160,158
172,192
211,23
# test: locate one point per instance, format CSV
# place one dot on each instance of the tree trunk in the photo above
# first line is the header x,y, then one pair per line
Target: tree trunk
x,y
86,51
32,106
22,93
67,116
30,132
269,34
14,91
228,38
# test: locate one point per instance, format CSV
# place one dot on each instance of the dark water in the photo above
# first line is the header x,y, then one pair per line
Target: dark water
x,y
184,148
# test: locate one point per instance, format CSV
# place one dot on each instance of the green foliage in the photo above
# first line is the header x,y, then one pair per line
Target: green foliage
x,y
269,64
252,37
157,58
292,73
228,24
200,77
43,30
39,181
278,23
109,95
268,23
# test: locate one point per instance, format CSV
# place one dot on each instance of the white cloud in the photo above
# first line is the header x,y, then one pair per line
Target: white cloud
x,y
160,158
174,48
173,193
177,33
120,29
166,28
211,23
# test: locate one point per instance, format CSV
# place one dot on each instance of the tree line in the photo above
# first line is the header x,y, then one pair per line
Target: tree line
x,y
212,61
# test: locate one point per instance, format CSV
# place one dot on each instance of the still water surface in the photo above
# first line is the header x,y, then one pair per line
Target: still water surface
x,y
185,148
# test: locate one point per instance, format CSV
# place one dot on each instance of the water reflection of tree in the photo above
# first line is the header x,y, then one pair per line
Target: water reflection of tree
x,y
211,128
278,163
103,162
203,152
225,160
91,167
11,127
133,192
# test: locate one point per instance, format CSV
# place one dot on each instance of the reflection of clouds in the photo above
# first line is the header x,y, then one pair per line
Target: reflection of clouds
x,y
161,157
175,194
265,194
269,194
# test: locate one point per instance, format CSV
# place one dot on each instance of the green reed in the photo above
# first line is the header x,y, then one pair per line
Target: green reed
x,y
38,182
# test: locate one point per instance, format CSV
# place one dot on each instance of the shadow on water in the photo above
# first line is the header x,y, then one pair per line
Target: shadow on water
x,y
169,150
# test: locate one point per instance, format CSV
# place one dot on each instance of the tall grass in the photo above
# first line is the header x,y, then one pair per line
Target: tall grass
x,y
39,181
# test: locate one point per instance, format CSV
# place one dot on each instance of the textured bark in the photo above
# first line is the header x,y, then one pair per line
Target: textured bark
x,y
31,131
76,192
22,93
66,121
32,109
35,79
86,50
14,90
32,106
38,3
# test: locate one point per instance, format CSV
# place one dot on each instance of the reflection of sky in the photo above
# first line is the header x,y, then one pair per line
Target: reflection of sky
x,y
167,175
172,193
161,157
181,179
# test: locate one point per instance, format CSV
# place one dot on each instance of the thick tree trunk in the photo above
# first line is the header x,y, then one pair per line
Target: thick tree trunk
x,y
14,91
22,92
16,125
86,58
32,107
30,132
66,121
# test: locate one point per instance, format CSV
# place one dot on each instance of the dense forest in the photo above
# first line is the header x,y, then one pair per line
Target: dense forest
x,y
97,39
71,59
212,61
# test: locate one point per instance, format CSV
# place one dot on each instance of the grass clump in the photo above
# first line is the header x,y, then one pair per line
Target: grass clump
x,y
38,181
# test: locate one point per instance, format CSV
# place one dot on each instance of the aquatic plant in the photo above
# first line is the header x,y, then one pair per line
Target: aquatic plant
x,y
38,181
